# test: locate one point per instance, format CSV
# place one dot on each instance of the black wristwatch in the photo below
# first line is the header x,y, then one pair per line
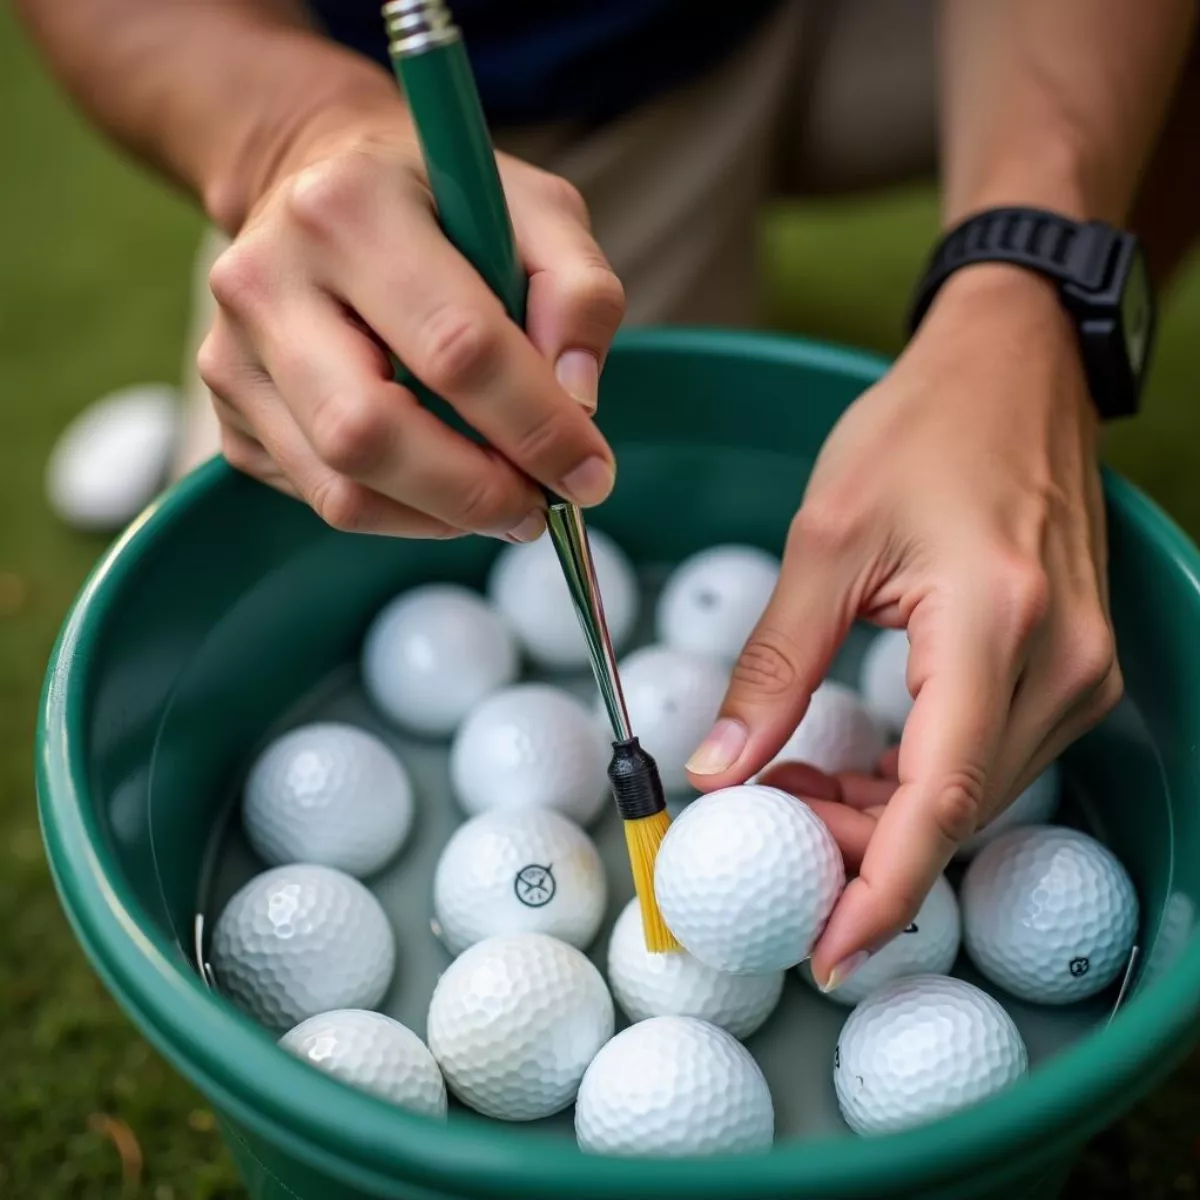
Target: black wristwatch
x,y
1102,281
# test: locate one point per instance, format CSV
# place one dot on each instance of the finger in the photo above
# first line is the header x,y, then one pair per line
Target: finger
x,y
247,455
803,780
852,828
865,791
889,763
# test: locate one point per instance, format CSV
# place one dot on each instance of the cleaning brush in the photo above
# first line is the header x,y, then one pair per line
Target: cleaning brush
x,y
432,68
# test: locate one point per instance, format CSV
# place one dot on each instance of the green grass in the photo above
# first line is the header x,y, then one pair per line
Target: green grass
x,y
94,264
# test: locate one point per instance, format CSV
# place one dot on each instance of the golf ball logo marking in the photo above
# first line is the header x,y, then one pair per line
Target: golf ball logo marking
x,y
912,928
1079,967
534,885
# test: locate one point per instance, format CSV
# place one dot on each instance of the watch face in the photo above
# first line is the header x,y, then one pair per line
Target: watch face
x,y
1136,313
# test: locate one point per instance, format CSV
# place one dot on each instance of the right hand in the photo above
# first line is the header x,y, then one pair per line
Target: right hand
x,y
342,259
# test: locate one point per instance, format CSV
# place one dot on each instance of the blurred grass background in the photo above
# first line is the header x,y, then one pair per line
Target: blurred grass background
x,y
95,260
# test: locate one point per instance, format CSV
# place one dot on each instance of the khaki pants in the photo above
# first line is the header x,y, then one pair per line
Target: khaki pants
x,y
830,96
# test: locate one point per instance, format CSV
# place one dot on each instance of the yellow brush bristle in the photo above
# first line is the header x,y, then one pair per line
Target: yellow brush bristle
x,y
643,837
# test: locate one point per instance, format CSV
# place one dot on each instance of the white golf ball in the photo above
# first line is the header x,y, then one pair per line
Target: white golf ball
x,y
928,946
527,587
432,654
1049,914
678,984
531,746
300,940
674,1087
371,1051
835,734
1036,805
883,681
331,794
746,878
526,870
920,1048
673,697
514,1022
712,601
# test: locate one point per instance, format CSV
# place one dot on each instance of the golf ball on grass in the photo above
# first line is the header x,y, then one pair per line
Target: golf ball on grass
x,y
835,734
920,1048
432,654
515,1021
674,1087
527,870
1036,805
330,794
677,984
531,746
374,1053
1049,914
300,940
746,878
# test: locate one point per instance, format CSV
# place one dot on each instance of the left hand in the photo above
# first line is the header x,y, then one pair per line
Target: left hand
x,y
960,498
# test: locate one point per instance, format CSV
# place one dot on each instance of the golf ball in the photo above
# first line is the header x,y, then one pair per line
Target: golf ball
x,y
835,734
518,871
746,878
882,679
300,940
531,746
657,985
673,697
712,601
1049,914
1036,805
370,1051
674,1087
527,587
920,1048
432,654
330,794
928,946
514,1022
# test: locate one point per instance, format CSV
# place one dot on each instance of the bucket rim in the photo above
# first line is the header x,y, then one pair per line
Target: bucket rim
x,y
322,1120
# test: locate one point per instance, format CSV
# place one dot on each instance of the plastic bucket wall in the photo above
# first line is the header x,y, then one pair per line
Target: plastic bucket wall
x,y
226,601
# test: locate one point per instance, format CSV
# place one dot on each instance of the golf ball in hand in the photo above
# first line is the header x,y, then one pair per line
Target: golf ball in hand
x,y
655,985
674,1087
883,679
434,653
746,878
712,601
370,1051
920,1048
836,733
1049,914
300,940
514,1022
331,794
527,870
1036,805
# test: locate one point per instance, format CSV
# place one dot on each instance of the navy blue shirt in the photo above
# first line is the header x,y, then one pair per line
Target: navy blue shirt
x,y
580,60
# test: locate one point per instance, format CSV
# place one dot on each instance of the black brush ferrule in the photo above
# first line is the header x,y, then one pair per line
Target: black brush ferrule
x,y
635,783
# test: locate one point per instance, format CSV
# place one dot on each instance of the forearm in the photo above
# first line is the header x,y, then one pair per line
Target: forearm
x,y
1055,104
208,92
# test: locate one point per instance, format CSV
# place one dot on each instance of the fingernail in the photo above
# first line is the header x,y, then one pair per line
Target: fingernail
x,y
843,970
720,750
529,529
590,482
579,373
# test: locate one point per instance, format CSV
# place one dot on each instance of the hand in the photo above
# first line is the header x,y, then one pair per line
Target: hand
x,y
959,498
342,260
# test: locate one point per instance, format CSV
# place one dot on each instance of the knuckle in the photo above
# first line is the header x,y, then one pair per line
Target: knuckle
x,y
239,278
329,196
768,664
958,803
459,349
1108,693
348,435
339,503
563,195
822,529
214,366
598,291
1093,655
1022,588
484,504
540,440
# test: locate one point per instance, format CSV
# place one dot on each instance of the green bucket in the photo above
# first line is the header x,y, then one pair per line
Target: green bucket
x,y
225,602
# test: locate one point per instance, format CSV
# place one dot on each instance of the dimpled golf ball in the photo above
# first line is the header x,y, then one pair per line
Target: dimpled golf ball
x,y
673,697
525,870
300,940
882,679
674,1087
746,878
928,946
527,587
432,654
375,1053
514,1022
1049,914
836,733
1036,805
331,794
678,984
921,1048
531,746
712,601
